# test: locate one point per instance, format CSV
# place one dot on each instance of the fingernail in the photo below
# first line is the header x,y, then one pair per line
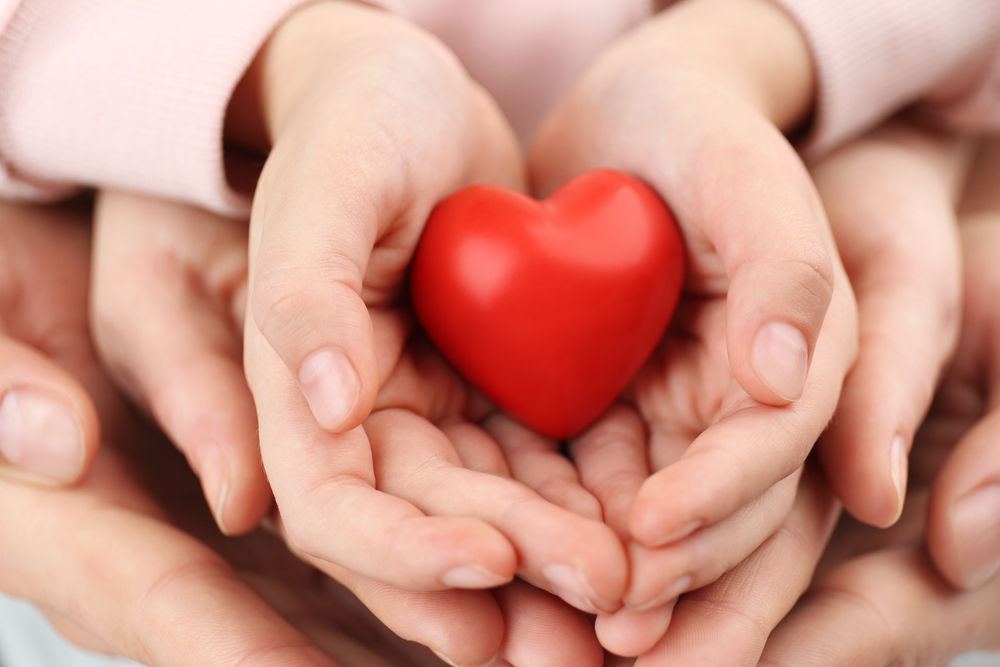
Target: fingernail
x,y
569,583
214,481
472,576
331,386
976,521
679,585
781,358
899,466
39,432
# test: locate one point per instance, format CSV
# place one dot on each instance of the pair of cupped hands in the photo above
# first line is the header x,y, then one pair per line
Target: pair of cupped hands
x,y
397,480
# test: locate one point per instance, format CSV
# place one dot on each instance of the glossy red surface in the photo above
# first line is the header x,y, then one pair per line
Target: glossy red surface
x,y
550,308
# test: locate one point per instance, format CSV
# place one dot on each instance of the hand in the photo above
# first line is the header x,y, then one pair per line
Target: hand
x,y
101,558
167,307
184,263
891,199
750,373
881,601
372,122
963,529
864,183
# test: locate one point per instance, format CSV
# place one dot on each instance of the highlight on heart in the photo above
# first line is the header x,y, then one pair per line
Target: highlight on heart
x,y
550,307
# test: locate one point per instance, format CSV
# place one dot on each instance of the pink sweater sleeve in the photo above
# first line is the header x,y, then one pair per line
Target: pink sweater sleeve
x,y
875,57
125,93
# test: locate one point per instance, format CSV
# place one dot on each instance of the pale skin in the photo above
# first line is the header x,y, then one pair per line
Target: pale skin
x,y
867,180
881,599
778,570
324,341
98,549
341,295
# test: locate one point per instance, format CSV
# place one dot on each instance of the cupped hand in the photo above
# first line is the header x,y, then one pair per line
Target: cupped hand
x,y
174,352
167,305
371,123
963,529
897,178
926,590
102,558
750,371
891,199
725,622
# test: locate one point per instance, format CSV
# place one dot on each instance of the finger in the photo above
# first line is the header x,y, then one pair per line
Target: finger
x,y
164,279
728,622
963,525
890,199
749,449
660,575
145,584
49,430
325,486
887,608
462,627
342,197
753,224
578,559
612,463
536,462
532,618
628,632
512,624
476,449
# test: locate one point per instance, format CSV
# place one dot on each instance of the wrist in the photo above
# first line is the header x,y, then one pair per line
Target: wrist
x,y
752,47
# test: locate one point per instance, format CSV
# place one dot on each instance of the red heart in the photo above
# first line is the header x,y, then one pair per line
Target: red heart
x,y
550,307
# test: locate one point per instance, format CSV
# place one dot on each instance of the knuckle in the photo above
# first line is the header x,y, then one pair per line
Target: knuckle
x,y
300,540
288,302
277,302
811,269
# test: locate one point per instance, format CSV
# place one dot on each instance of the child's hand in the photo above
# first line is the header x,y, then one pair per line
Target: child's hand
x,y
372,123
891,199
749,376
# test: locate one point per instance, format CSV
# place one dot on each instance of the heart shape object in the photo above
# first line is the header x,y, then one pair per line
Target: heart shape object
x,y
550,307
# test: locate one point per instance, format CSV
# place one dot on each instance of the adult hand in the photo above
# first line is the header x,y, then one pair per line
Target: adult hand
x,y
891,199
167,308
882,601
101,558
174,352
49,430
